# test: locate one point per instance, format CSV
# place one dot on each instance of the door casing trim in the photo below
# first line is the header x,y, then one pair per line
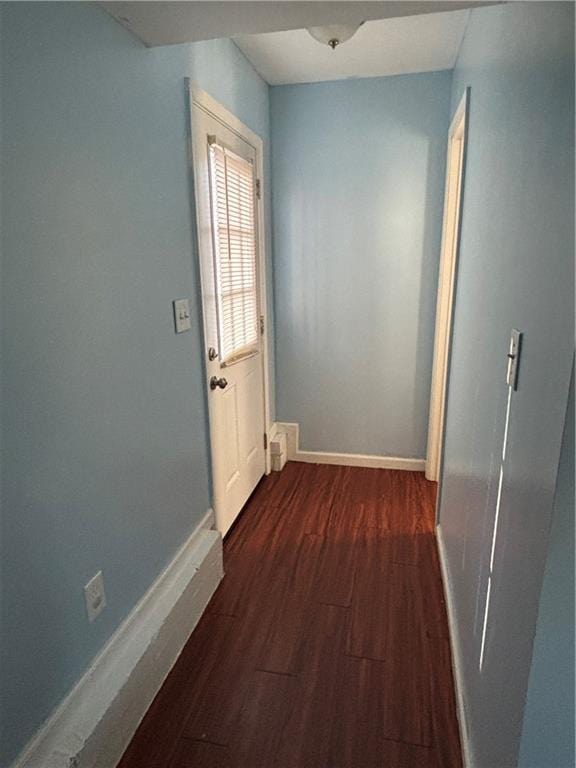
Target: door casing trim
x,y
446,296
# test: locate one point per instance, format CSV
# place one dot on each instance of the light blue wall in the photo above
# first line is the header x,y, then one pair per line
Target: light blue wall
x,y
516,271
358,169
105,429
548,731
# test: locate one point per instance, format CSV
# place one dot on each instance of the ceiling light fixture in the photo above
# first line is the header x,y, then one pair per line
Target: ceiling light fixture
x,y
334,34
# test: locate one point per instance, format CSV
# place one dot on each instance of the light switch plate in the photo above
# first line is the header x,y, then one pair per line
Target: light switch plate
x,y
182,320
513,359
95,596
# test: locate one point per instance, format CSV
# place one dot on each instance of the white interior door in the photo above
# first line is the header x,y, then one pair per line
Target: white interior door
x,y
227,216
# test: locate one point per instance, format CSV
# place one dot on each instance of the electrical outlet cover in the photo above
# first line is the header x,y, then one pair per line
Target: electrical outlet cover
x,y
95,596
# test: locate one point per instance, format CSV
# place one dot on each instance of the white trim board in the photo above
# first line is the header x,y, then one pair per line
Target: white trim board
x,y
94,724
292,432
361,460
457,664
447,277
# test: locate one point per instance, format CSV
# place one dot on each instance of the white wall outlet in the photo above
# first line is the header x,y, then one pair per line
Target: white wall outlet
x,y
95,596
182,319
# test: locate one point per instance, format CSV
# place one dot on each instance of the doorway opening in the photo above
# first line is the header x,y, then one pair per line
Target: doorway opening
x,y
453,195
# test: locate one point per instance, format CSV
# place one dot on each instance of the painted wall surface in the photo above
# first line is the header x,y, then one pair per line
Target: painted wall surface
x,y
548,730
516,271
105,429
358,169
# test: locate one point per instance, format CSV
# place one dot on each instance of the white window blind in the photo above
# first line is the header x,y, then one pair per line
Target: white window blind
x,y
234,233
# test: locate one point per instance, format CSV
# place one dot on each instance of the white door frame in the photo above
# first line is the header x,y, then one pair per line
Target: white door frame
x,y
201,99
453,196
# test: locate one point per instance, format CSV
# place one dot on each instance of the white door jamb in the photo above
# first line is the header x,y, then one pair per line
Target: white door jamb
x,y
453,197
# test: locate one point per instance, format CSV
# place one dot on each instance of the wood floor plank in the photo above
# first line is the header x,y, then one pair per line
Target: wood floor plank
x,y
370,494
387,608
337,570
446,735
293,611
252,559
262,719
435,603
305,739
221,695
292,484
403,517
201,754
346,512
325,638
219,703
378,692
158,733
316,651
314,512
361,744
388,638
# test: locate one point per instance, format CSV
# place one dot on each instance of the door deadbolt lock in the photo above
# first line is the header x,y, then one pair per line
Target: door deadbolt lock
x,y
212,354
215,382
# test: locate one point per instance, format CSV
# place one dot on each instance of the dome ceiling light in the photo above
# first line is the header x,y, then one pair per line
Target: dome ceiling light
x,y
334,34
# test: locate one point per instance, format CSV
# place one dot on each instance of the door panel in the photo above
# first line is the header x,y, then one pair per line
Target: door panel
x,y
231,453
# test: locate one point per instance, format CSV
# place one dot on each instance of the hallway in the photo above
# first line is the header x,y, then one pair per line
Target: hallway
x,y
326,645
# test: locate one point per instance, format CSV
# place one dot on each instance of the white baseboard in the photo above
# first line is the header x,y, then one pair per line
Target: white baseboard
x,y
343,459
360,460
467,757
94,724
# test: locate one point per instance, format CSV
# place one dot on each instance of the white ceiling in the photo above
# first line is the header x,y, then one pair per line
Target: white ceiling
x,y
168,23
391,46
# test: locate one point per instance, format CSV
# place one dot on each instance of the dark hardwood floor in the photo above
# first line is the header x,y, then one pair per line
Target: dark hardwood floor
x,y
326,645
